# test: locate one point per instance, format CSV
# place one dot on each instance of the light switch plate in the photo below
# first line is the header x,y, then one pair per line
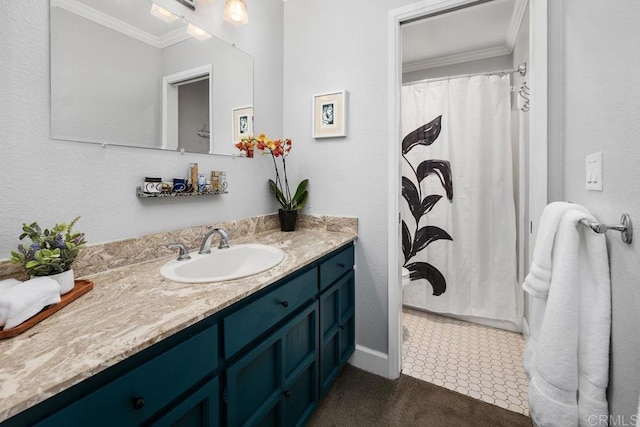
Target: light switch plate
x,y
594,172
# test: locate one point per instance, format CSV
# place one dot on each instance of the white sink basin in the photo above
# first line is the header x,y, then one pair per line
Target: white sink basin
x,y
223,264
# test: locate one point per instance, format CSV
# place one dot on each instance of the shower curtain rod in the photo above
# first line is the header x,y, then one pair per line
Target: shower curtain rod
x,y
522,70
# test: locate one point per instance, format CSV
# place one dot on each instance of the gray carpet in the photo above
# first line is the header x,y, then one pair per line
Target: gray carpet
x,y
359,398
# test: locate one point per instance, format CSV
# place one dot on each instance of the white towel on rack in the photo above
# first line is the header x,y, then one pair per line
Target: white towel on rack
x,y
569,374
25,300
595,328
538,280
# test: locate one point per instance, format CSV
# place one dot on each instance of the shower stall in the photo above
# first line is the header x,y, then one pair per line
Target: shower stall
x,y
458,212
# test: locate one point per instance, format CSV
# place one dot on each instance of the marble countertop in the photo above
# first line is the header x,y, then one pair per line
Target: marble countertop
x,y
130,309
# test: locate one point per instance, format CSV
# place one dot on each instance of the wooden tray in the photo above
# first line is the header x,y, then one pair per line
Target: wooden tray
x,y
80,288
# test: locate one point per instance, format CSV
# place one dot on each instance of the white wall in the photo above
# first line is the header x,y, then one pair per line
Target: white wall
x,y
52,181
332,45
599,85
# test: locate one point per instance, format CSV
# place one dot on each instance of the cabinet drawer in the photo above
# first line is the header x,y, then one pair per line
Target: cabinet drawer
x,y
336,266
139,394
246,324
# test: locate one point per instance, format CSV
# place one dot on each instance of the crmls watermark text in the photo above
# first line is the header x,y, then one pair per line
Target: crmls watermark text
x,y
613,420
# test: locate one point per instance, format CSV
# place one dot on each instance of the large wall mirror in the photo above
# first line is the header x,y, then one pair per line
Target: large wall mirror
x,y
130,73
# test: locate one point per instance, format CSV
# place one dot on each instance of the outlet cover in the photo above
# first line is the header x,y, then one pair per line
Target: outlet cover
x,y
594,172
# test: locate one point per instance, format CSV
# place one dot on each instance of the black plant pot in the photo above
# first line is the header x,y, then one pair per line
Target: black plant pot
x,y
288,220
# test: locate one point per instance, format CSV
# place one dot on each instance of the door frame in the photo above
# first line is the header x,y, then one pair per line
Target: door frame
x,y
170,85
537,70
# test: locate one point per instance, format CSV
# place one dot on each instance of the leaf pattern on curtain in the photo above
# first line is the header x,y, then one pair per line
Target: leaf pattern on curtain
x,y
419,206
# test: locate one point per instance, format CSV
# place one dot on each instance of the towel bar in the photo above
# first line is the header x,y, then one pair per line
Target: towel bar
x,y
625,227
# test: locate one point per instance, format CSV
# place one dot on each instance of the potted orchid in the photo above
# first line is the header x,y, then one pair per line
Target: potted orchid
x,y
51,252
290,203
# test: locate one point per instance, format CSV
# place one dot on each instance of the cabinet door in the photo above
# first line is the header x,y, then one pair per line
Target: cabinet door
x,y
337,332
276,383
199,409
300,381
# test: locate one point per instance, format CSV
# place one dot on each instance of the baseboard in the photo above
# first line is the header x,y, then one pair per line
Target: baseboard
x,y
370,360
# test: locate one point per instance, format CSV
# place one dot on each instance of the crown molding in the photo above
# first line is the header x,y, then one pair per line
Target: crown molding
x,y
458,58
175,36
108,21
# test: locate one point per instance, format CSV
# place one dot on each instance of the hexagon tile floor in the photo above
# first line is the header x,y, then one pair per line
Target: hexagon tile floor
x,y
482,362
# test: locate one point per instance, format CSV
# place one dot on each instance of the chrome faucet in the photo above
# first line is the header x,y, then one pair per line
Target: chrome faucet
x,y
205,247
184,252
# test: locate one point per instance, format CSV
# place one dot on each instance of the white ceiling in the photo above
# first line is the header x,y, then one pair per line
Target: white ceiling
x,y
477,32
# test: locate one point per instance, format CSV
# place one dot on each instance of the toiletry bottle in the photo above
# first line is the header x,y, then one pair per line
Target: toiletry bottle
x,y
214,181
194,177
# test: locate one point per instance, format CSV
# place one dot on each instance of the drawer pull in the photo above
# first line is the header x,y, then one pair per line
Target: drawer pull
x,y
138,403
287,393
285,304
341,265
342,327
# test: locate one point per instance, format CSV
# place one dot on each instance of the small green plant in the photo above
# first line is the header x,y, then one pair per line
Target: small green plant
x,y
50,251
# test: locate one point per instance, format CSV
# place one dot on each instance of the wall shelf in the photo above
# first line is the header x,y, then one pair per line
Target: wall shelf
x,y
144,195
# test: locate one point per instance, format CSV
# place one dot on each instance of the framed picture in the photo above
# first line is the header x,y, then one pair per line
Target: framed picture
x,y
329,115
242,123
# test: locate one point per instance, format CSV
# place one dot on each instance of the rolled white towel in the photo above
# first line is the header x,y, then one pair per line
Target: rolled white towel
x,y
7,284
25,300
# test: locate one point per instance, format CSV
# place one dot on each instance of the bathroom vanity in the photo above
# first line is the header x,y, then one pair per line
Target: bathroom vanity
x,y
255,351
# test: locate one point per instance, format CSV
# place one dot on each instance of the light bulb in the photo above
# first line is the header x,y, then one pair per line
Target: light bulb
x,y
235,12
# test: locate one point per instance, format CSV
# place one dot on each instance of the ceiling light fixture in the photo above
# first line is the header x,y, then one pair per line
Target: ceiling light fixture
x,y
162,13
198,33
235,12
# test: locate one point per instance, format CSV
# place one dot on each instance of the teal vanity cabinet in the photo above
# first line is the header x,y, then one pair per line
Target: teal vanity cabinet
x,y
178,381
264,361
174,382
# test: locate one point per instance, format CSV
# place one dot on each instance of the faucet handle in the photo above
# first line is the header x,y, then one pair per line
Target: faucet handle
x,y
224,238
184,252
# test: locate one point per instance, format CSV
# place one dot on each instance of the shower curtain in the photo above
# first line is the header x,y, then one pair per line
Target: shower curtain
x,y
458,211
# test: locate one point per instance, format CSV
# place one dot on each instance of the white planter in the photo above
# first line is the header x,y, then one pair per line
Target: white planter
x,y
66,280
